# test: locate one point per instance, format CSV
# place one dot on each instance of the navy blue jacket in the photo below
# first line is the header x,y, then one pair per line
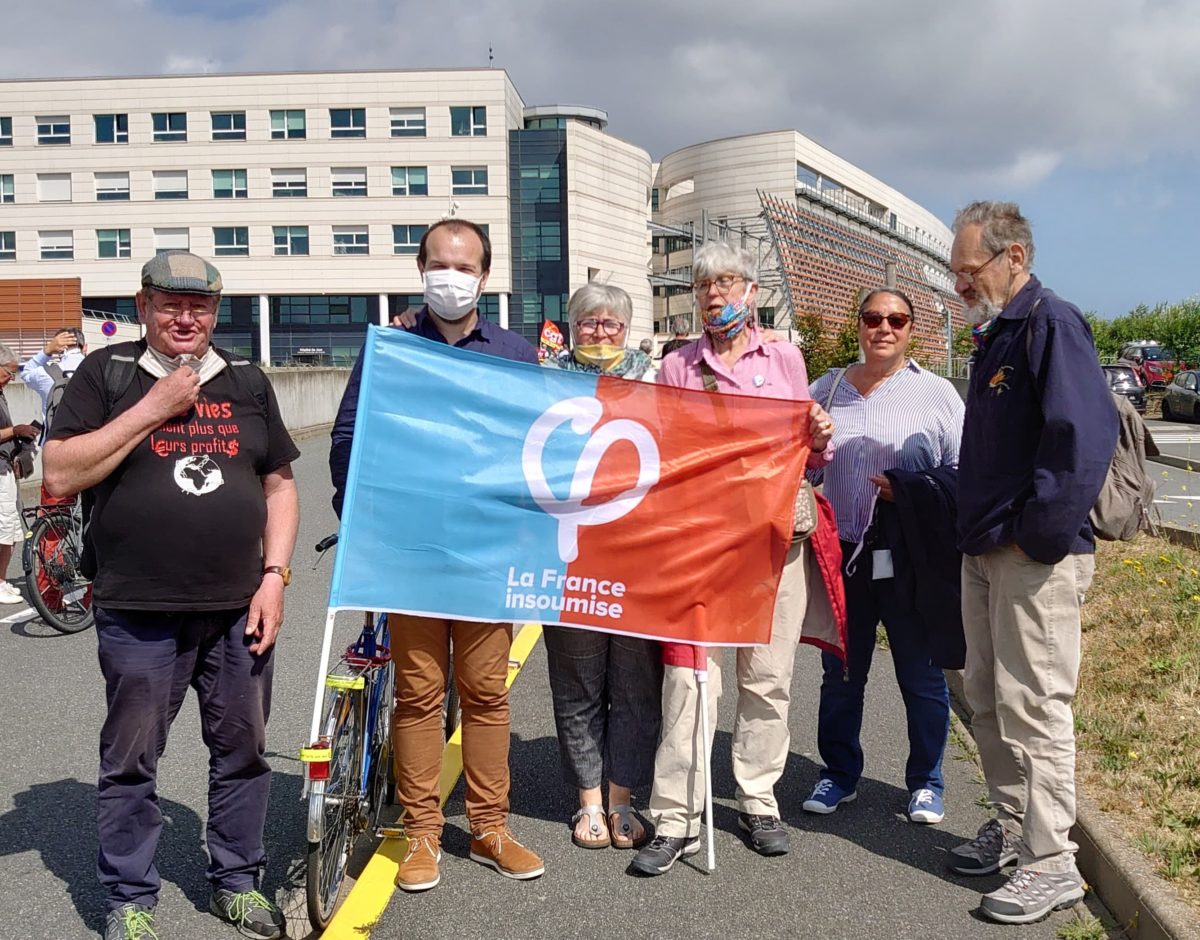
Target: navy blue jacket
x,y
1038,435
486,338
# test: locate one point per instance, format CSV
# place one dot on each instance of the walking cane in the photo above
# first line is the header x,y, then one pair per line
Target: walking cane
x,y
702,682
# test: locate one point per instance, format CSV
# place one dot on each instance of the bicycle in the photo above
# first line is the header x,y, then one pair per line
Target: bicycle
x,y
349,773
58,589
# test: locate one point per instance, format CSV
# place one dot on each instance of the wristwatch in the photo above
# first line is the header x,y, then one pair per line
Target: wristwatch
x,y
283,572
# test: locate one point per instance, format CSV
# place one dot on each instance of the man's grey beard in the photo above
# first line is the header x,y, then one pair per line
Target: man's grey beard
x,y
983,311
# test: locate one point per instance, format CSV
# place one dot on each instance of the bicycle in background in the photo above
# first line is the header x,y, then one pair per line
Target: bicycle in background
x,y
58,589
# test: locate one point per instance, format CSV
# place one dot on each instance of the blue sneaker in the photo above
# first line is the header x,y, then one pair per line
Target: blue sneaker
x,y
827,796
926,807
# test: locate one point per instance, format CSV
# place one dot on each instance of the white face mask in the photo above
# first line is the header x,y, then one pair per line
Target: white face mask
x,y
451,294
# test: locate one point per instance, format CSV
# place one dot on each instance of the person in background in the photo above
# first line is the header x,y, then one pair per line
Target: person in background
x,y
889,414
11,527
681,327
607,688
53,366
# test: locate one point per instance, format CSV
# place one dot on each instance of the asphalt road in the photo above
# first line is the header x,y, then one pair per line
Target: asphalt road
x,y
863,872
1178,489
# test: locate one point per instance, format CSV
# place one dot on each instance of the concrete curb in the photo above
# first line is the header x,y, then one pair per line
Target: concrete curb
x,y
1142,903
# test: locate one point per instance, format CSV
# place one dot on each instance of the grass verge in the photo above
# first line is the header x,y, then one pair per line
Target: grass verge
x,y
1137,713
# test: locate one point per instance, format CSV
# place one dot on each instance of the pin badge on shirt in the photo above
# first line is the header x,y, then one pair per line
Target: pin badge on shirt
x,y
759,381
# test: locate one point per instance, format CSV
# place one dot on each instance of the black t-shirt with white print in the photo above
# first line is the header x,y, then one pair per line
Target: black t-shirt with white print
x,y
178,525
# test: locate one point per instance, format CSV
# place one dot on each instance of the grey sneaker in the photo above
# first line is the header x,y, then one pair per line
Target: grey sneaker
x,y
130,922
988,852
766,833
249,911
658,855
1030,895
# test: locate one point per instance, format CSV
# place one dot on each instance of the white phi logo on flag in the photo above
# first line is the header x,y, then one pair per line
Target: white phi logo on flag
x,y
584,413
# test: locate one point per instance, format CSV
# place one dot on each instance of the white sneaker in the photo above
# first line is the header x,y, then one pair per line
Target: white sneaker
x,y
9,594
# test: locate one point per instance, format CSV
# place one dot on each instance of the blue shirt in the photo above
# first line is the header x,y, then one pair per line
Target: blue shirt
x,y
487,338
913,421
1039,435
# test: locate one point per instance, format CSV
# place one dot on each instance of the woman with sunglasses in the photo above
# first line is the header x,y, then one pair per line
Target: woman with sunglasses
x,y
606,688
889,414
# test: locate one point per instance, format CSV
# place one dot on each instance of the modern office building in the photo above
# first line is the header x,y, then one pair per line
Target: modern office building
x,y
311,192
822,229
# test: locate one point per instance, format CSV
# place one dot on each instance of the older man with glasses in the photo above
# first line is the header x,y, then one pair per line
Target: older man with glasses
x,y
1038,437
186,462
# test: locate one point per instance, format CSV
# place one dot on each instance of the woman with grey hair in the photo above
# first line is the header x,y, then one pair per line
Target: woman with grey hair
x,y
606,687
10,518
732,358
599,316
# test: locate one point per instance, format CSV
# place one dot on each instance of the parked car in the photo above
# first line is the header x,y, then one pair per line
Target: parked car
x,y
1182,400
1122,380
1154,363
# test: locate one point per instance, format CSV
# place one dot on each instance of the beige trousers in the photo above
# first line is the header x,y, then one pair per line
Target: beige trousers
x,y
1021,619
760,728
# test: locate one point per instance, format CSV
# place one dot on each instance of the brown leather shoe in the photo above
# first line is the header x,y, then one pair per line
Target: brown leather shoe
x,y
419,868
498,848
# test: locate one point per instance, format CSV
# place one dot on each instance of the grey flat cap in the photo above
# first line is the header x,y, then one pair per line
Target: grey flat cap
x,y
180,272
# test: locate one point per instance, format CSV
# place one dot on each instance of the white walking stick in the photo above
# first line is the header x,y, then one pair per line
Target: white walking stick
x,y
702,682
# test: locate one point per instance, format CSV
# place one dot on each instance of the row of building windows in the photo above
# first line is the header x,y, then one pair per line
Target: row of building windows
x,y
231,240
172,126
232,183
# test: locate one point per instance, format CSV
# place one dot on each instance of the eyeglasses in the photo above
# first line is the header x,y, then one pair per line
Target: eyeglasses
x,y
968,277
897,321
12,373
611,327
724,283
174,310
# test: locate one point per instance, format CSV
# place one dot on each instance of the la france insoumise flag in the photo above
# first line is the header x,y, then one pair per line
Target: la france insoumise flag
x,y
490,490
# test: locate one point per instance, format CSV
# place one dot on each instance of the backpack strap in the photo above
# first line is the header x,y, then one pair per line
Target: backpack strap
x,y
54,370
709,377
247,376
119,372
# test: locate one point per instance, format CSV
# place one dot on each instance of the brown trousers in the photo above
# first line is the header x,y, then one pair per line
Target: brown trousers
x,y
421,652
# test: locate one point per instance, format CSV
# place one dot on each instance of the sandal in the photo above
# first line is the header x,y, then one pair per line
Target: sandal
x,y
596,826
621,826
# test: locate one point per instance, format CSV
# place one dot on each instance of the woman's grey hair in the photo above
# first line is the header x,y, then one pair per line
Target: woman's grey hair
x,y
712,259
6,354
681,326
594,296
1001,225
647,346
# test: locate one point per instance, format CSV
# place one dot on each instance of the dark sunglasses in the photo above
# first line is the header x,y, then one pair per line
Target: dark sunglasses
x,y
897,321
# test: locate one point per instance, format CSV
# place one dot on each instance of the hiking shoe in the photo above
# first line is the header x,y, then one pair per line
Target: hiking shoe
x,y
1030,895
498,848
249,911
658,855
130,922
990,850
827,796
419,868
767,835
926,807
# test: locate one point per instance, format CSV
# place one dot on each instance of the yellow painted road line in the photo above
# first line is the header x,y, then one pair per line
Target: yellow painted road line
x,y
369,897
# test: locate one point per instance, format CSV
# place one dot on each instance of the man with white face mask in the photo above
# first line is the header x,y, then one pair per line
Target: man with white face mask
x,y
1038,437
454,259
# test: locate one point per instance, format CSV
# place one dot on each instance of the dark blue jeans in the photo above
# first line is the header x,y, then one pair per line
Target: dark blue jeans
x,y
922,684
149,658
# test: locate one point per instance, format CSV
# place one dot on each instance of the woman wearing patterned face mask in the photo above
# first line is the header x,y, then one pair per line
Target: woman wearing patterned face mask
x,y
732,358
606,688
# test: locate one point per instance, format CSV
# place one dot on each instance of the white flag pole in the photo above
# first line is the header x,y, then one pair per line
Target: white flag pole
x,y
702,682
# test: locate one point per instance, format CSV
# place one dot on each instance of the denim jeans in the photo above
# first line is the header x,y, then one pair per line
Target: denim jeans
x,y
607,692
922,684
149,658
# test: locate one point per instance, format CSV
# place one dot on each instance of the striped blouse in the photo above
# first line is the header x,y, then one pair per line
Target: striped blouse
x,y
913,421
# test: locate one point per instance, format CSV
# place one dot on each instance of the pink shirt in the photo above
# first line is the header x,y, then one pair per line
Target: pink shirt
x,y
764,370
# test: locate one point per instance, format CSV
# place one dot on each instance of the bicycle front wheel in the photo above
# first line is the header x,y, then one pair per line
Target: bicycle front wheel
x,y
58,590
335,805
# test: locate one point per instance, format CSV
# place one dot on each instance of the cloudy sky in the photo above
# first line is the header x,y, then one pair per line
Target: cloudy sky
x,y
1087,113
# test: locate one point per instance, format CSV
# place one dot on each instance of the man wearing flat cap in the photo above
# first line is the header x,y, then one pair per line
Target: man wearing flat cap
x,y
182,455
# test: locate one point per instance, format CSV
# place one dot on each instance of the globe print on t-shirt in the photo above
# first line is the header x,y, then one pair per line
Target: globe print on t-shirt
x,y
198,475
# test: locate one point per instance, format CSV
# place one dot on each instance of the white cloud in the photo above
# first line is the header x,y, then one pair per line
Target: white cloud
x,y
924,94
